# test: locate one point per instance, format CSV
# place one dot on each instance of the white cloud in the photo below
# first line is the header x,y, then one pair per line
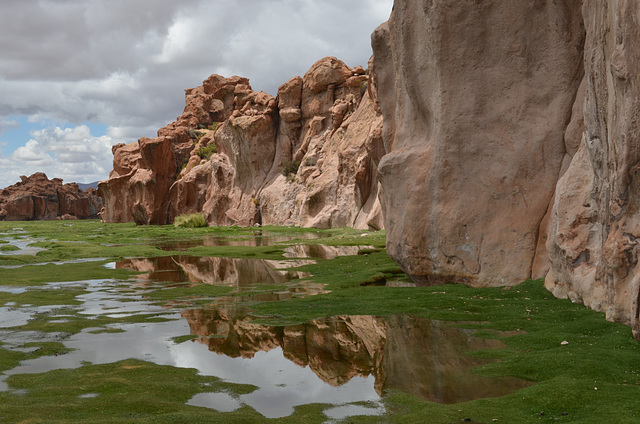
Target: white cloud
x,y
72,154
8,124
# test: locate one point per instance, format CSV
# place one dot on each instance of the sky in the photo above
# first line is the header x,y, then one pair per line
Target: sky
x,y
78,76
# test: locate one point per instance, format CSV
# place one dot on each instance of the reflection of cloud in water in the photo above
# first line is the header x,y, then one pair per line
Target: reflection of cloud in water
x,y
23,246
339,360
282,385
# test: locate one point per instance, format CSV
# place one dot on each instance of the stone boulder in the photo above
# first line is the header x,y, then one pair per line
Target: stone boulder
x,y
513,149
38,198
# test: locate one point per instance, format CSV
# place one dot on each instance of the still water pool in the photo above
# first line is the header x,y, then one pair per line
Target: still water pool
x,y
349,362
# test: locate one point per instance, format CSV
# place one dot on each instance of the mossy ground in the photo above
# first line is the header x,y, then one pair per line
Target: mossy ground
x,y
595,378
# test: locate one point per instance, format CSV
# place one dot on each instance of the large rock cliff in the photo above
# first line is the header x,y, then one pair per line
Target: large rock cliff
x,y
476,97
305,157
513,145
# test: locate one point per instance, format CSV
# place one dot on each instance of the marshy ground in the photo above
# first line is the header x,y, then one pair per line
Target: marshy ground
x,y
116,323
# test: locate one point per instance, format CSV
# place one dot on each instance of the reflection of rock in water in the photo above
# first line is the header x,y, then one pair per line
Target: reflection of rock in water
x,y
212,270
425,358
321,251
336,349
430,359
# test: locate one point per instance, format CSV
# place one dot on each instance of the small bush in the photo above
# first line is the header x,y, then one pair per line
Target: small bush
x,y
205,152
290,167
214,126
194,220
195,135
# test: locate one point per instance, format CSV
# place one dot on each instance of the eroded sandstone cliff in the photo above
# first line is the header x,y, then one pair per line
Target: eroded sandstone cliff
x,y
595,227
476,97
38,198
513,145
305,157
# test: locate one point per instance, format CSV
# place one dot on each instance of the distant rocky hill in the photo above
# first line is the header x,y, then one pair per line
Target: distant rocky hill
x,y
306,157
38,198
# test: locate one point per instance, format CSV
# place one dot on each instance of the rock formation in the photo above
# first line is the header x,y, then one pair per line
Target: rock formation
x,y
38,198
594,232
513,145
475,111
305,157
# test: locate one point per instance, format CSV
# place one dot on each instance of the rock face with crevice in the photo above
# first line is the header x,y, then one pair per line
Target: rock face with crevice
x,y
594,232
512,139
306,157
38,198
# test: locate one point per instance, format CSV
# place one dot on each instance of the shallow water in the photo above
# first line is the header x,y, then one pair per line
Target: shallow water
x,y
259,239
341,361
23,246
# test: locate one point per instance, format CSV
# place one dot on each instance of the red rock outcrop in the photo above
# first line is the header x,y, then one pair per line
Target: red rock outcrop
x,y
38,198
306,157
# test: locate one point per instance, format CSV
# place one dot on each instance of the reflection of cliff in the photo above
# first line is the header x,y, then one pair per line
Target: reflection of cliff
x,y
425,358
430,359
242,274
211,270
321,251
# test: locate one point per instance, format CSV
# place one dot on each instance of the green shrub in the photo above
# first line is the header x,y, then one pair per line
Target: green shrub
x,y
205,152
195,135
194,220
290,167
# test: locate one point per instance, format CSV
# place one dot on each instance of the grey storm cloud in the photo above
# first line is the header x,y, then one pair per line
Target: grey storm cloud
x,y
126,63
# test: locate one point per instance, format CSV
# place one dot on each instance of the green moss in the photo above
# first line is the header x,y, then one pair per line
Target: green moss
x,y
123,392
8,248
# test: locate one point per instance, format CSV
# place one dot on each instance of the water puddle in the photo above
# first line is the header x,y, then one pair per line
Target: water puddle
x,y
259,239
21,246
342,361
244,275
348,362
321,251
71,261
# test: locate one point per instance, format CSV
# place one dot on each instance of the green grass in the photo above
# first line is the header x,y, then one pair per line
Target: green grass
x,y
194,220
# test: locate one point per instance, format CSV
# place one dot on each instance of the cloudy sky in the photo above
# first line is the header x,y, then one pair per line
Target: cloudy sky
x,y
77,76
